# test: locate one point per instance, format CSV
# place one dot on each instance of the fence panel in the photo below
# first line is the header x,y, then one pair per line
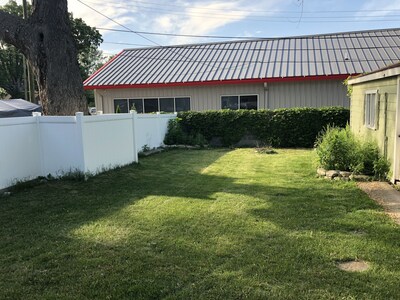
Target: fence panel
x,y
108,141
61,149
152,129
19,150
39,145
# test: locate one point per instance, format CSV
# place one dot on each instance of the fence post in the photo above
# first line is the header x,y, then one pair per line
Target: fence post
x,y
159,129
37,116
134,128
80,140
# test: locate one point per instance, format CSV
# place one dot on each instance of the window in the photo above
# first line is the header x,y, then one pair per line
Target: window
x,y
182,104
167,104
151,105
248,102
229,102
370,109
239,102
120,106
136,104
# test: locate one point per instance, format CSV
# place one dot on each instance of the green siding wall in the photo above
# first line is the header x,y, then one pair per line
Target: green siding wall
x,y
387,88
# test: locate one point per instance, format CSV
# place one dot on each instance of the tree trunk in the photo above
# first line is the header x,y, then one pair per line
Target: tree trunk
x,y
46,40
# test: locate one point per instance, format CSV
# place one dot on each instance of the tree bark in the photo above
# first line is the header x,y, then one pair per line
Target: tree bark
x,y
46,40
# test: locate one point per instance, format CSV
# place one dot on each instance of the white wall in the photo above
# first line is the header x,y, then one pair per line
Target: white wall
x,y
108,141
19,150
152,129
307,93
61,149
38,146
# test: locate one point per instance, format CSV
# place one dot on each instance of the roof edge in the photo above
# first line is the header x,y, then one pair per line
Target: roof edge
x,y
218,82
389,71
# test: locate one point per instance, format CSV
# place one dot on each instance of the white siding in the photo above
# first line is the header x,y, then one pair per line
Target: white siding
x,y
315,93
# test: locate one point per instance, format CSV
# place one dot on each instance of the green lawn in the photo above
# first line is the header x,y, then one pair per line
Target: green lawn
x,y
209,224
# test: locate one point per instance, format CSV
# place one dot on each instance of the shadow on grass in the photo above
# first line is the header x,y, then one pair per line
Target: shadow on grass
x,y
165,229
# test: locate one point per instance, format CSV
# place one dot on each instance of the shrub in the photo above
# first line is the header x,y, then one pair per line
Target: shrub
x,y
339,149
176,135
381,168
335,149
292,127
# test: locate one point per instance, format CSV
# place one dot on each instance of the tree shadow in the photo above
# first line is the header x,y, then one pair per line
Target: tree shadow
x,y
174,230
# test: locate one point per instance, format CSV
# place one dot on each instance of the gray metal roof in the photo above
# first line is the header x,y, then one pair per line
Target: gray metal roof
x,y
304,56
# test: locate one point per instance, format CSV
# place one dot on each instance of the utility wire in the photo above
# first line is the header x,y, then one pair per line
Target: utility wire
x,y
127,28
175,34
113,4
271,18
321,36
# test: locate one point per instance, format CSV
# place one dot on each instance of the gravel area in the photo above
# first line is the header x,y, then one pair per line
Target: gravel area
x,y
386,195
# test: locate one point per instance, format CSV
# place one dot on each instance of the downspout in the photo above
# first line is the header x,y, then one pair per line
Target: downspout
x,y
396,156
385,137
266,102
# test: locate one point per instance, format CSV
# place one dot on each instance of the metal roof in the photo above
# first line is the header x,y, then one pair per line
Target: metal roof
x,y
262,59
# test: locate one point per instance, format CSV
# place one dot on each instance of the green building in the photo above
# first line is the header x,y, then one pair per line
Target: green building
x,y
375,112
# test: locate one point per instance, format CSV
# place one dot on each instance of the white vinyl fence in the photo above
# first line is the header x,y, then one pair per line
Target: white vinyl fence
x,y
40,145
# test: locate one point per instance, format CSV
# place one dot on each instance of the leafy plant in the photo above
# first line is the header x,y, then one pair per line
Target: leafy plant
x,y
381,168
335,149
292,127
339,149
145,148
177,135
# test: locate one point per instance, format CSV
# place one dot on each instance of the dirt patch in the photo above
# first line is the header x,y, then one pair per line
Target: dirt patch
x,y
358,233
385,195
353,266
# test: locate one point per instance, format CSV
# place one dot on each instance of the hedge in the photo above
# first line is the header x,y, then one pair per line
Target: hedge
x,y
291,127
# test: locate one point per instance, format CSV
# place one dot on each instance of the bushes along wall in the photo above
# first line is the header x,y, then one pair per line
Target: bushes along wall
x,y
291,127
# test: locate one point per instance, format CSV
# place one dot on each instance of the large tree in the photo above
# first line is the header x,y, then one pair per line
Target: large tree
x,y
46,40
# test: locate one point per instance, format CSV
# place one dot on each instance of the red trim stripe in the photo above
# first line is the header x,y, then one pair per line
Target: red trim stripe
x,y
215,82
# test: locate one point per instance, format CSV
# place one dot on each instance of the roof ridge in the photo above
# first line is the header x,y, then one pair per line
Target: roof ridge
x,y
267,39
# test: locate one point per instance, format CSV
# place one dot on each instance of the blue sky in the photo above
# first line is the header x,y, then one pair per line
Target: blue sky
x,y
234,18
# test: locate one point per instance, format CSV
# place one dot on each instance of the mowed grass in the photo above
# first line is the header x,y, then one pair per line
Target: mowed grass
x,y
210,224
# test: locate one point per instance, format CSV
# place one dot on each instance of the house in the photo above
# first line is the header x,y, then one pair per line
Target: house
x,y
253,74
375,111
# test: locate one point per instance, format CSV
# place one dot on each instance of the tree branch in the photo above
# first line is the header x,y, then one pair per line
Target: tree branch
x,y
13,30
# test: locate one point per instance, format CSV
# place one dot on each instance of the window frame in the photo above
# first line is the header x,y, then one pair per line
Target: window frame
x,y
120,99
239,96
371,124
158,102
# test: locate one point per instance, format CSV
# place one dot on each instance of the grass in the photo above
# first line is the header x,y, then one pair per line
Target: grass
x,y
209,224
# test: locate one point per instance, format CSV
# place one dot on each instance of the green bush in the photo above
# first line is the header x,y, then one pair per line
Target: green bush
x,y
381,168
339,149
175,133
292,127
177,136
336,149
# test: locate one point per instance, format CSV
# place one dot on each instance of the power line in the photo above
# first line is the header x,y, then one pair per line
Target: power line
x,y
127,28
323,36
253,11
268,18
176,34
129,44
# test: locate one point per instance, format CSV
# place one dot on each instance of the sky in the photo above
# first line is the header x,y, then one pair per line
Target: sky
x,y
229,18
